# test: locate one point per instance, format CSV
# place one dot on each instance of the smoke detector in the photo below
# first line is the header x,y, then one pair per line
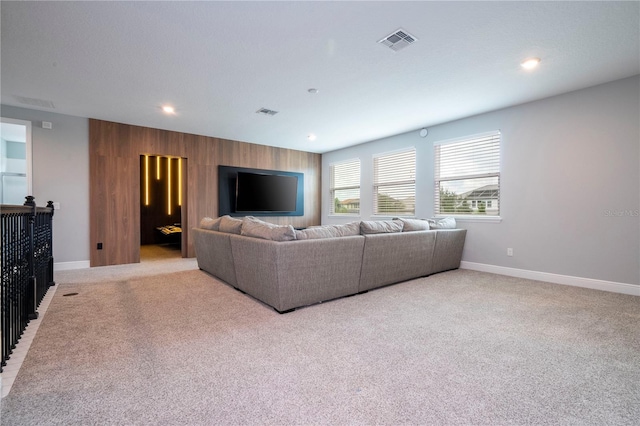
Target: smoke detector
x,y
397,40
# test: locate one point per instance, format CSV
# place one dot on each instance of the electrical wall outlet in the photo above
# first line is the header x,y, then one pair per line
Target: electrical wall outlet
x,y
99,246
509,251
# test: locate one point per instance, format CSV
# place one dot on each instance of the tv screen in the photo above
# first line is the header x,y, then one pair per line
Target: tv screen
x,y
256,192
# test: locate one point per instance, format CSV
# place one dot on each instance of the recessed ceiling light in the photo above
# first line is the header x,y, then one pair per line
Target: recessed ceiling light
x,y
312,90
311,137
169,109
530,63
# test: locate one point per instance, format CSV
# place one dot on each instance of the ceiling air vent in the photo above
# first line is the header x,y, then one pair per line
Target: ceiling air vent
x,y
266,111
398,40
34,102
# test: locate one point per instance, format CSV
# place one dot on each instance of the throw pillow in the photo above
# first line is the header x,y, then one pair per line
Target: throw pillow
x,y
348,229
414,225
210,223
253,227
329,231
316,232
230,225
444,223
380,226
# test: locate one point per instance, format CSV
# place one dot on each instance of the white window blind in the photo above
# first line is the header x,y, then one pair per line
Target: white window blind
x,y
467,176
394,183
345,187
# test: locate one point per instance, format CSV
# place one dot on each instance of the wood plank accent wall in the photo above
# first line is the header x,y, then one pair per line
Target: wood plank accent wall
x,y
114,167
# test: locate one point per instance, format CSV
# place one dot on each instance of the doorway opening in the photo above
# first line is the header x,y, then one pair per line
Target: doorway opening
x,y
15,161
162,207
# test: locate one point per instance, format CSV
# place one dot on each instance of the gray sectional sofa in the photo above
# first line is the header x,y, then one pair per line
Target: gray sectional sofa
x,y
287,268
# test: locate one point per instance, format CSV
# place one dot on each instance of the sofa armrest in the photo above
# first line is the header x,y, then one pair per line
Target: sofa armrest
x,y
394,257
448,252
213,251
256,265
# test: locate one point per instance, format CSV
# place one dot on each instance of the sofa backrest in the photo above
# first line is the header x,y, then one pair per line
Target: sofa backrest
x,y
289,274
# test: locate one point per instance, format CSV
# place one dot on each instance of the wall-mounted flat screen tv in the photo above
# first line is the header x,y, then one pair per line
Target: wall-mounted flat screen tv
x,y
257,192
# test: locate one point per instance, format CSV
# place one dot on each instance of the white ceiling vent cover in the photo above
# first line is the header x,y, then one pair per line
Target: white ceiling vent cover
x,y
34,102
266,111
398,39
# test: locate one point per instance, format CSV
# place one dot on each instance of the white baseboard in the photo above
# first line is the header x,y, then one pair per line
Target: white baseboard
x,y
611,286
66,266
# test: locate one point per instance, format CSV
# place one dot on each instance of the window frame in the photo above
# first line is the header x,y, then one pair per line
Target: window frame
x,y
496,135
333,188
377,184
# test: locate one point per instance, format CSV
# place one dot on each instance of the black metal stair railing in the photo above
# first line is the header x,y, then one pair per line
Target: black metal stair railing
x,y
27,268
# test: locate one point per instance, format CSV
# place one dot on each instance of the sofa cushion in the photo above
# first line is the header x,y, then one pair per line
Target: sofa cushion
x,y
253,227
230,225
414,224
210,223
444,223
380,226
329,231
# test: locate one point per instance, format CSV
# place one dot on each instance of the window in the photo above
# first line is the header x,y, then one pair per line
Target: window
x,y
394,183
467,176
345,187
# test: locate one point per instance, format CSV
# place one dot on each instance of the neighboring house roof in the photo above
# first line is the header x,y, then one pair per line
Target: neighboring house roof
x,y
350,201
487,191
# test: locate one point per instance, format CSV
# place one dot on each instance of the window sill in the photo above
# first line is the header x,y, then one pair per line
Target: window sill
x,y
344,215
478,219
387,216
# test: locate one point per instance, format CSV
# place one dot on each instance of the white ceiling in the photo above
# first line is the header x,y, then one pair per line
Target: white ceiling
x,y
219,62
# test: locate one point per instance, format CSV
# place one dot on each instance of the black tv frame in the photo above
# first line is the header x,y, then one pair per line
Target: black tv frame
x,y
227,176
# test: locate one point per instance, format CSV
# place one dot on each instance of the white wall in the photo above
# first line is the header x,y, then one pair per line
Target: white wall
x,y
570,179
579,151
61,174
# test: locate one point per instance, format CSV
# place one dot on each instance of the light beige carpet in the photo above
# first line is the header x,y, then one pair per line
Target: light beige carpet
x,y
461,347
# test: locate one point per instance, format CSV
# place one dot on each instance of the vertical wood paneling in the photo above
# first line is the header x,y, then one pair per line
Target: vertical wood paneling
x,y
114,151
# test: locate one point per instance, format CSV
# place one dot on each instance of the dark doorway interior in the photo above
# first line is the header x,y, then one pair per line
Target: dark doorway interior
x,y
161,202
